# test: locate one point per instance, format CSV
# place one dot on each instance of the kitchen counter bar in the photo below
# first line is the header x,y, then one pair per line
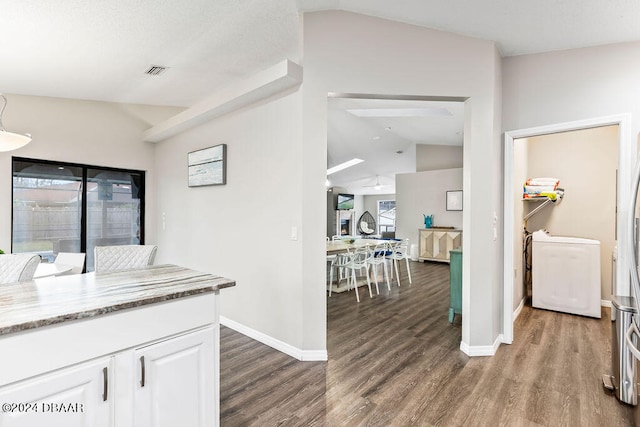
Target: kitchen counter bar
x,y
54,300
128,347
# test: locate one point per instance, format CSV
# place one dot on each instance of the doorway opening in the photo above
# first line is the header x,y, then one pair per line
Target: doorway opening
x,y
557,148
404,143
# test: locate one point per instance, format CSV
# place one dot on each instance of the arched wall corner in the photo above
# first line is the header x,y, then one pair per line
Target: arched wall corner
x,y
626,165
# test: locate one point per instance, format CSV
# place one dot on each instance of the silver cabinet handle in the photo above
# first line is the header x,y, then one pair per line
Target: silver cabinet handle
x,y
632,348
142,376
105,389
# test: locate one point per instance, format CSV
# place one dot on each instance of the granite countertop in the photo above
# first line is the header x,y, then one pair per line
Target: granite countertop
x,y
53,300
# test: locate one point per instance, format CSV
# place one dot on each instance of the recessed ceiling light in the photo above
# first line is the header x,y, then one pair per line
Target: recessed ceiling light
x,y
399,152
400,112
387,128
375,138
344,165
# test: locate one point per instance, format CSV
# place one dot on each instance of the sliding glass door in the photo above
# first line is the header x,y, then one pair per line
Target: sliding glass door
x,y
60,207
47,201
113,209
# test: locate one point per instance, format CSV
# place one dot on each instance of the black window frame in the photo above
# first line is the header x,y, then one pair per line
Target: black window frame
x,y
83,217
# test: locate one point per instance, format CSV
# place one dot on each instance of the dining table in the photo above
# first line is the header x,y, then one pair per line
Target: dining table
x,y
341,246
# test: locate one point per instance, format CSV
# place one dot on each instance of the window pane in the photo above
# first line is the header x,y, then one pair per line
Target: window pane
x,y
113,205
47,205
386,215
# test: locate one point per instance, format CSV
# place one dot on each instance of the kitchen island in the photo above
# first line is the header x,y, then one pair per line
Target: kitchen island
x,y
134,347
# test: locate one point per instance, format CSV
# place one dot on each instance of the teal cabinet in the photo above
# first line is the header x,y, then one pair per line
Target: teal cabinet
x,y
455,283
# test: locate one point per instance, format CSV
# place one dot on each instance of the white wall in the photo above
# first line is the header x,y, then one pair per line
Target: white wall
x,y
423,193
242,230
434,157
89,132
342,53
568,85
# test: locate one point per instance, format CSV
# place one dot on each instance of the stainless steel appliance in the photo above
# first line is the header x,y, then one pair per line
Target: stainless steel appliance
x,y
623,363
625,317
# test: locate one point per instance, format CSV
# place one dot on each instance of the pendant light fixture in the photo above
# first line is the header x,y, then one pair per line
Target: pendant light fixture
x,y
9,140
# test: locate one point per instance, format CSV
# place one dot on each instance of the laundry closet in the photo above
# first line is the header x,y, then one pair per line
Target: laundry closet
x,y
565,239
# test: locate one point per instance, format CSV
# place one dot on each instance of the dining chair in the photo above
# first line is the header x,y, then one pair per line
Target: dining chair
x,y
76,260
378,257
123,257
18,267
399,252
358,260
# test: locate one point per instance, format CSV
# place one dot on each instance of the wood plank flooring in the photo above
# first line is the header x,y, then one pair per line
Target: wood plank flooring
x,y
394,360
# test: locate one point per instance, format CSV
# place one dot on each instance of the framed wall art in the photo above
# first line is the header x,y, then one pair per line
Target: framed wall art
x,y
208,166
454,200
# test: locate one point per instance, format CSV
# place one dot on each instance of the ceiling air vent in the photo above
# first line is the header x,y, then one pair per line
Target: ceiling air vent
x,y
155,70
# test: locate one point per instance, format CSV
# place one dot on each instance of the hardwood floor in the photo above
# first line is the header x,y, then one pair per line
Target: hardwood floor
x,y
394,360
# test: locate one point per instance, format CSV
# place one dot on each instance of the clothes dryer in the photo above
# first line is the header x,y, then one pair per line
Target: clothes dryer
x,y
565,274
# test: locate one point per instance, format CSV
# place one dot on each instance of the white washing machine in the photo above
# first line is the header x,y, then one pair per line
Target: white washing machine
x,y
565,274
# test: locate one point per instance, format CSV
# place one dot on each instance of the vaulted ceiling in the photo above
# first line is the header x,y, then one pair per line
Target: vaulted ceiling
x,y
100,49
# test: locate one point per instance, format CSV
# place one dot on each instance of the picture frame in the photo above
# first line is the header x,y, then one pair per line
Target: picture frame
x,y
208,166
454,200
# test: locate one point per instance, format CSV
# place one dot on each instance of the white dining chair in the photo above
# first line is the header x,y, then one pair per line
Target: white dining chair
x,y
340,264
378,257
356,261
123,257
18,267
399,252
75,260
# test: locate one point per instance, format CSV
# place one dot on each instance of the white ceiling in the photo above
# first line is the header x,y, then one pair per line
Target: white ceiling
x,y
386,144
99,49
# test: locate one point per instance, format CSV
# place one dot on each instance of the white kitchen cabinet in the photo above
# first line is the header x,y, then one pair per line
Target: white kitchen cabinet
x,y
172,386
58,334
77,396
434,244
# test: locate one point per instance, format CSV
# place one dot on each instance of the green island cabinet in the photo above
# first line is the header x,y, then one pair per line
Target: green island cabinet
x,y
455,283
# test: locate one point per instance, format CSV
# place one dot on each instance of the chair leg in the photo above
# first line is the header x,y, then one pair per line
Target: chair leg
x,y
355,285
386,275
395,265
368,282
375,277
408,269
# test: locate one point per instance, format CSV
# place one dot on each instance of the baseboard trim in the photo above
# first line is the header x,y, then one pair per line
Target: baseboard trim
x,y
605,303
481,350
517,311
302,355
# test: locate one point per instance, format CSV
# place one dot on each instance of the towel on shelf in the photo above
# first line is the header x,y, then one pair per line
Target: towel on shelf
x,y
543,182
540,187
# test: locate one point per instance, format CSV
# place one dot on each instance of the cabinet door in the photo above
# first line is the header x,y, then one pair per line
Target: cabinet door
x,y
71,397
175,382
426,244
